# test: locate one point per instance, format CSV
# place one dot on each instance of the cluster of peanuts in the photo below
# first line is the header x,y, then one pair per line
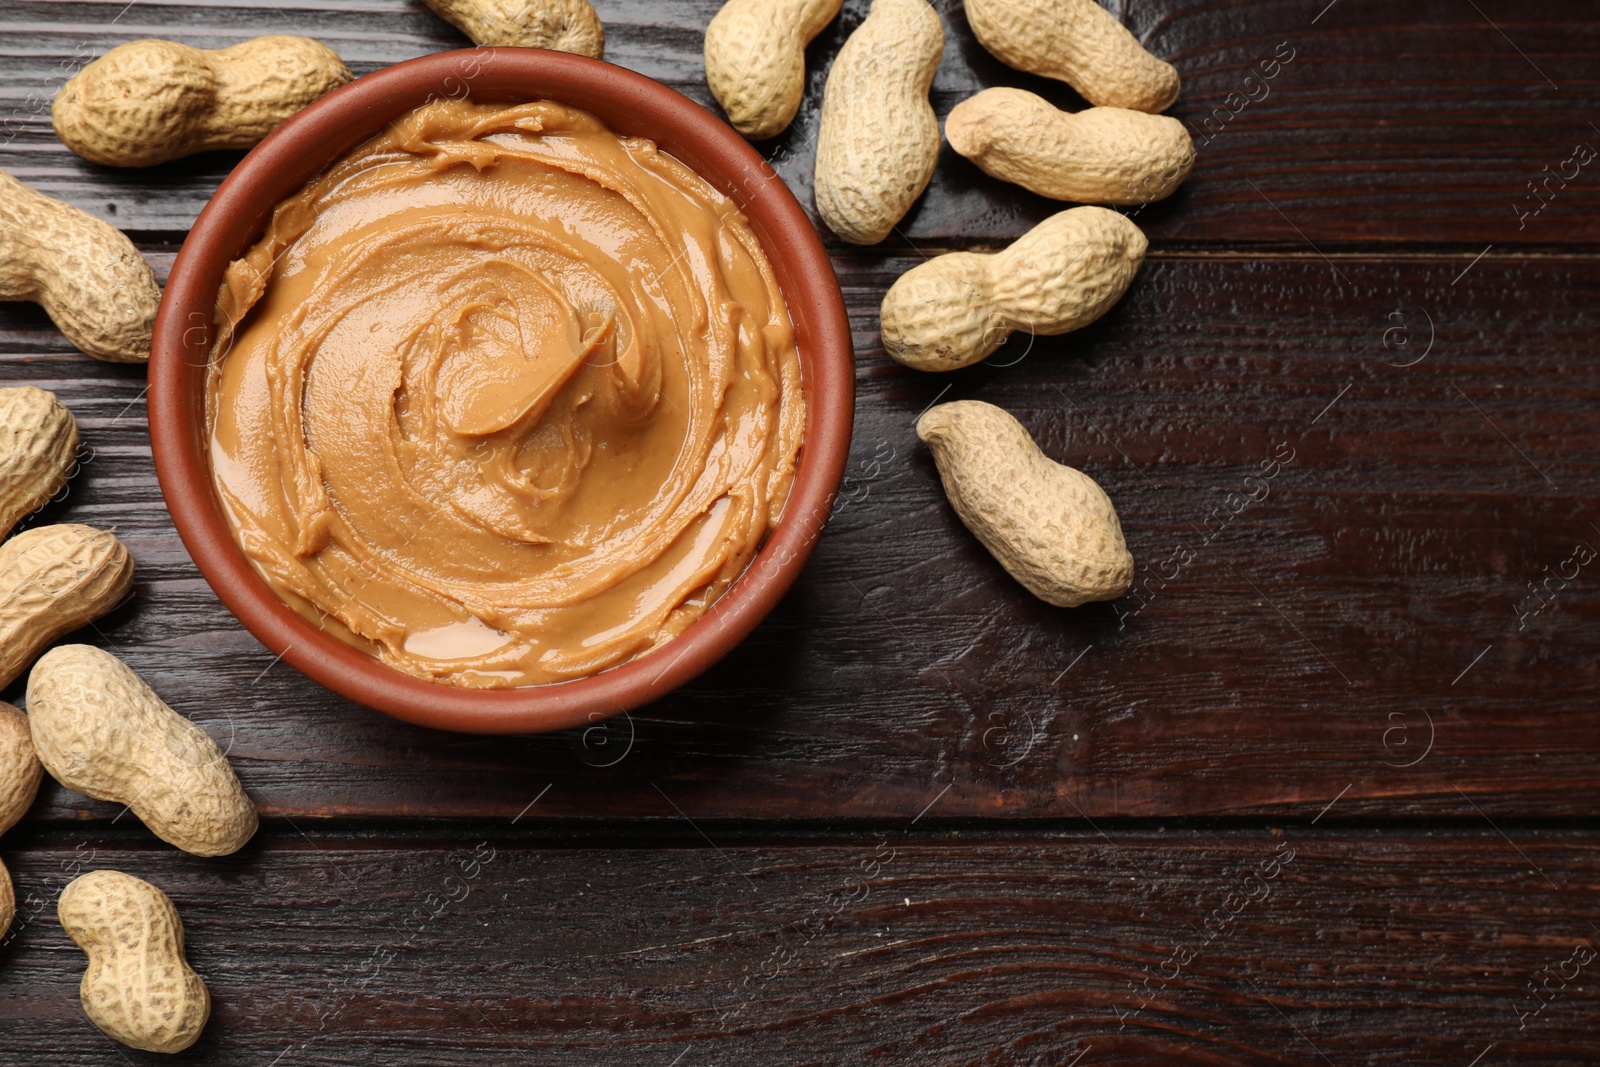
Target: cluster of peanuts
x,y
1050,526
97,728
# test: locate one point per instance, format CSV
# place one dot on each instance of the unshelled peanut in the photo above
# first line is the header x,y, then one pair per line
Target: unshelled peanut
x,y
100,730
562,25
1051,527
1104,155
1078,42
879,139
957,309
54,579
755,55
20,773
139,988
20,770
85,273
38,450
150,101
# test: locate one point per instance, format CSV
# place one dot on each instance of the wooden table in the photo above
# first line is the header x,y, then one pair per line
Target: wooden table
x,y
1322,791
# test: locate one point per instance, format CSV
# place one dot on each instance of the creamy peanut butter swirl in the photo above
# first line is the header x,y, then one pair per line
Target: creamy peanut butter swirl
x,y
503,396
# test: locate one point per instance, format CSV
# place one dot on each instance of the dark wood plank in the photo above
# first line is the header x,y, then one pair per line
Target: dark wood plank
x,y
1421,122
1222,948
1362,616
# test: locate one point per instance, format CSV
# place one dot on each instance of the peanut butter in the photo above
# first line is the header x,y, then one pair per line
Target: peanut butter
x,y
503,397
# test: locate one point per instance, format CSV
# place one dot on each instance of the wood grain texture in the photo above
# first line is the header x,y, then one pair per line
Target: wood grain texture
x,y
1362,615
1253,948
1415,123
913,819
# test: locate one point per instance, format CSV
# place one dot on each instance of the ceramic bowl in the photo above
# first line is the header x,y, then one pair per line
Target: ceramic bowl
x,y
630,104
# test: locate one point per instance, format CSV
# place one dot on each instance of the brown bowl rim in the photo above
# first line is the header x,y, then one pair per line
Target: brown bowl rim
x,y
301,148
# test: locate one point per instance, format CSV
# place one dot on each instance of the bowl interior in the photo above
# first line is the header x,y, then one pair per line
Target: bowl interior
x,y
305,145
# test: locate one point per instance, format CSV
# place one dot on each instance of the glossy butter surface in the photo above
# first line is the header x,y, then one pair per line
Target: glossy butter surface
x,y
503,396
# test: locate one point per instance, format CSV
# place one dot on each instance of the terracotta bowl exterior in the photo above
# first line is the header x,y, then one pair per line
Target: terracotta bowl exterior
x,y
630,104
